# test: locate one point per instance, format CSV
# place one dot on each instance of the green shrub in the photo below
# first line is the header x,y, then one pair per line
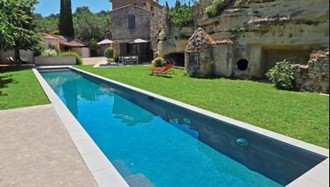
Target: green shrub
x,y
38,49
49,53
108,53
216,7
93,46
73,53
282,75
159,62
55,47
181,15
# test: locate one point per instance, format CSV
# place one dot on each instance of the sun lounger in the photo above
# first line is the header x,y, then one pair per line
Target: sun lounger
x,y
162,70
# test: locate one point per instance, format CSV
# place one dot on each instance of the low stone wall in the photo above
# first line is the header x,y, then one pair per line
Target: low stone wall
x,y
314,76
57,60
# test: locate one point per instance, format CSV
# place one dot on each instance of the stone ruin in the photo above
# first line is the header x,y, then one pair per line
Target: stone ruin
x,y
200,55
314,76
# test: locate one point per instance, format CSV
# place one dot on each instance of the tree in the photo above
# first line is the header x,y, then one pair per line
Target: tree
x,y
45,24
17,29
89,26
65,22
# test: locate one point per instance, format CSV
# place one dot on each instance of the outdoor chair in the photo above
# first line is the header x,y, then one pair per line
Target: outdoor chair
x,y
163,71
135,60
24,60
11,60
127,60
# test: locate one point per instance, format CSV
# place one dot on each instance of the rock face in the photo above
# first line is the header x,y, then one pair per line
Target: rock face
x,y
265,32
262,32
315,75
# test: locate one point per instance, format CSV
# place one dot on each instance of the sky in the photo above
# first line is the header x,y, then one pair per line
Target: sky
x,y
47,7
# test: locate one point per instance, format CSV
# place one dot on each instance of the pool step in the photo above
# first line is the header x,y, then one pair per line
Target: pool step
x,y
138,180
122,168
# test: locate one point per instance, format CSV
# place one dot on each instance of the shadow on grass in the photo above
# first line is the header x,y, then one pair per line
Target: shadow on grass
x,y
6,76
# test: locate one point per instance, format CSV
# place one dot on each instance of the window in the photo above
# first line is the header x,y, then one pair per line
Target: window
x,y
131,21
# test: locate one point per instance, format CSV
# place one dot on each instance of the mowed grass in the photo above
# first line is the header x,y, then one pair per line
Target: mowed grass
x,y
296,114
19,88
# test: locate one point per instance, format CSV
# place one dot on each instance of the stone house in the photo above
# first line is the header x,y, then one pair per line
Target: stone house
x,y
66,43
131,23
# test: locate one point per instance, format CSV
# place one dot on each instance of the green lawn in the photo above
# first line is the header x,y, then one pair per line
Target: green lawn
x,y
296,114
19,88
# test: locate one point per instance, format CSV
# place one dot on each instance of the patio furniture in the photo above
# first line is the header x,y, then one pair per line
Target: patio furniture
x,y
162,71
127,60
11,60
121,59
135,59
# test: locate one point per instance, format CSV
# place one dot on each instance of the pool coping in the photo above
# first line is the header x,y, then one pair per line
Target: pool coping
x,y
104,173
318,176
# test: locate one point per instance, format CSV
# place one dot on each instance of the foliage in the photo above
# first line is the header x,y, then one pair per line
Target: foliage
x,y
17,29
65,21
56,48
282,75
108,52
46,24
20,88
73,53
93,46
296,114
89,26
49,53
38,49
216,7
159,62
181,15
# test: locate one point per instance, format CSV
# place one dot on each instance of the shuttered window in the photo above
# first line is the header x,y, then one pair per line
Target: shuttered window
x,y
131,21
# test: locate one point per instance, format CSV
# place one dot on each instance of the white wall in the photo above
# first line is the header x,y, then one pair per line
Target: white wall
x,y
26,55
83,51
58,60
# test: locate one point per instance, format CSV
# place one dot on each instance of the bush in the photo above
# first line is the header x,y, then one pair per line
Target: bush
x,y
93,46
159,62
108,53
216,7
49,53
181,15
38,49
282,75
73,53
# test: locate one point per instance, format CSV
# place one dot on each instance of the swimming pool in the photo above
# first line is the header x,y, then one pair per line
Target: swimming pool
x,y
168,145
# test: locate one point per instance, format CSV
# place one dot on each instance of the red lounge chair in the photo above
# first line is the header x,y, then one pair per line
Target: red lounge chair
x,y
162,70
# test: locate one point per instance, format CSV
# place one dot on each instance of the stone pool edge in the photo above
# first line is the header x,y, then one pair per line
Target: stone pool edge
x,y
104,173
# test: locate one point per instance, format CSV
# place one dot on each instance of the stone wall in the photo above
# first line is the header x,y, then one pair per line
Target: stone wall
x,y
120,19
120,3
314,76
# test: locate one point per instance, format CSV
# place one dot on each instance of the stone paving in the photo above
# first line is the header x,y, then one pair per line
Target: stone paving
x,y
36,150
93,60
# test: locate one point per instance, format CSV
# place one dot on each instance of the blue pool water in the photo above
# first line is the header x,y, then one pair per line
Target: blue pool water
x,y
136,141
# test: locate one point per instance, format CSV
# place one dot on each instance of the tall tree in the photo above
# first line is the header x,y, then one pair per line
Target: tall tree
x,y
88,25
17,29
65,22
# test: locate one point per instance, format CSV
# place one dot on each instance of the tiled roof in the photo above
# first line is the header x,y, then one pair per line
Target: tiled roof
x,y
65,40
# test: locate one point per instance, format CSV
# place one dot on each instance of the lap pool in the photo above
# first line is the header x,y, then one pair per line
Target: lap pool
x,y
169,145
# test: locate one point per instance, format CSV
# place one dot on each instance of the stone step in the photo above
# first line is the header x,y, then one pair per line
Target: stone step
x,y
138,180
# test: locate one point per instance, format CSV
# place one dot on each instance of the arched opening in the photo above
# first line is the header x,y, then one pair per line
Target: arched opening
x,y
242,64
177,57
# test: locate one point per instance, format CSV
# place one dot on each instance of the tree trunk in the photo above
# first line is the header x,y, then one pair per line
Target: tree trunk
x,y
17,57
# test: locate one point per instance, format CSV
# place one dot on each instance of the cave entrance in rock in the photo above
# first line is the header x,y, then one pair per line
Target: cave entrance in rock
x,y
242,64
177,57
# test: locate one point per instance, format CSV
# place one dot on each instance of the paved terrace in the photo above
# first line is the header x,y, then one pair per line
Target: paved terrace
x,y
36,150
